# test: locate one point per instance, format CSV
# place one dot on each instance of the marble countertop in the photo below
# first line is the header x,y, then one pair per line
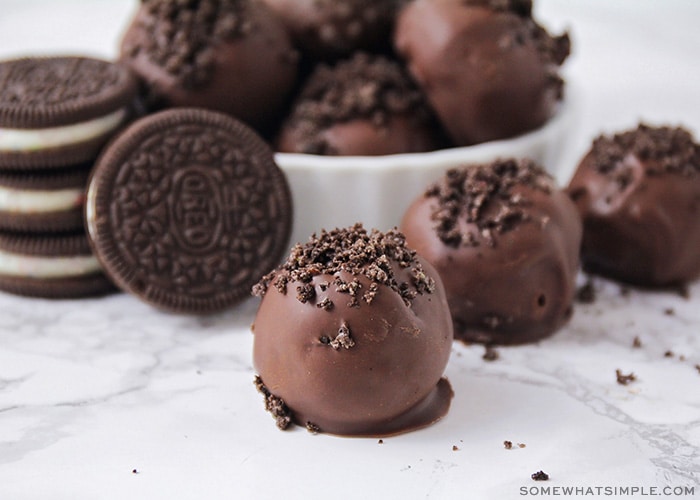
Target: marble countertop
x,y
110,399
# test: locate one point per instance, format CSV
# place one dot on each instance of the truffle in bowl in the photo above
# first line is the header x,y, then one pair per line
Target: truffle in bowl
x,y
337,191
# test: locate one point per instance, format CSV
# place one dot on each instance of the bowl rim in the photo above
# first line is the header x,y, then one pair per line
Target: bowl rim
x,y
500,147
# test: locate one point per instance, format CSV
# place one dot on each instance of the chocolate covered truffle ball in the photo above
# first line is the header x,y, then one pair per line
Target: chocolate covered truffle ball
x,y
488,69
330,29
352,336
231,56
505,241
638,193
367,105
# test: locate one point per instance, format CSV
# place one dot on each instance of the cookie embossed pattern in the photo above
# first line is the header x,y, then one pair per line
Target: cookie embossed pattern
x,y
110,398
187,209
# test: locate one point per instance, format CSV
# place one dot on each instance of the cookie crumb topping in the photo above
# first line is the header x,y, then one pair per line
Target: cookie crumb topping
x,y
347,23
669,150
484,197
275,405
180,35
552,49
355,251
342,339
367,87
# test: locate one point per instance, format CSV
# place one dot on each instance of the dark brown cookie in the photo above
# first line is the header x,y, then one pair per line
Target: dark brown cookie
x,y
57,111
50,266
188,210
43,200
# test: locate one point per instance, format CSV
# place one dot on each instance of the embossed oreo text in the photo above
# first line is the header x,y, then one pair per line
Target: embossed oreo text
x,y
195,207
197,210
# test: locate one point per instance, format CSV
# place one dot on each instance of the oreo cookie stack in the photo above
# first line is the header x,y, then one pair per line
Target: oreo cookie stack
x,y
56,114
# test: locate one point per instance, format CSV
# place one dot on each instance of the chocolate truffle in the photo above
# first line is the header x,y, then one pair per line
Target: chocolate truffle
x,y
488,69
232,56
352,336
330,29
638,193
505,241
367,105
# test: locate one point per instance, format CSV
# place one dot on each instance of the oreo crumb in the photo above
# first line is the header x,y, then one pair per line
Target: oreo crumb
x,y
482,196
182,34
625,379
636,343
381,441
669,354
508,445
586,293
343,339
134,471
363,87
312,428
672,150
326,304
274,405
540,476
357,252
490,354
455,447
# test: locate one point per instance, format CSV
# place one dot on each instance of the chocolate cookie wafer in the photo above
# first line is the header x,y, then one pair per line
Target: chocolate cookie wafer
x,y
188,210
43,200
50,266
57,111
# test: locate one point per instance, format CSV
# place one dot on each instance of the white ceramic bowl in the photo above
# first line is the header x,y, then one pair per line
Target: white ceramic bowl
x,y
332,191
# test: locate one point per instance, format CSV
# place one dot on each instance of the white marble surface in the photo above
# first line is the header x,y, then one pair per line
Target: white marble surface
x,y
110,399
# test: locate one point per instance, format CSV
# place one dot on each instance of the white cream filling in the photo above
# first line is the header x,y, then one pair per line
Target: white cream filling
x,y
22,140
26,201
90,216
31,266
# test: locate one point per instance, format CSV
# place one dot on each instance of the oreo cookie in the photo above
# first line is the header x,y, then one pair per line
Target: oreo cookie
x,y
58,111
43,201
50,266
187,210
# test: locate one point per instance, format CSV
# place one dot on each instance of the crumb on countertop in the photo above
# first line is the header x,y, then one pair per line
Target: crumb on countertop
x,y
623,379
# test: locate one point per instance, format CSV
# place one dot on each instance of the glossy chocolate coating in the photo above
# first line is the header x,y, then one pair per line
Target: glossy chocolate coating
x,y
386,380
641,219
489,74
509,287
331,29
249,75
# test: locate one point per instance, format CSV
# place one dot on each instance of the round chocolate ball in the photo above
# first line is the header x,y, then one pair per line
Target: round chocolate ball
x,y
638,193
331,29
352,336
488,69
367,105
505,242
231,56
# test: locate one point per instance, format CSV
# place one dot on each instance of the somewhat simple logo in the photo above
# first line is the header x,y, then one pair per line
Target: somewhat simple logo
x,y
195,208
